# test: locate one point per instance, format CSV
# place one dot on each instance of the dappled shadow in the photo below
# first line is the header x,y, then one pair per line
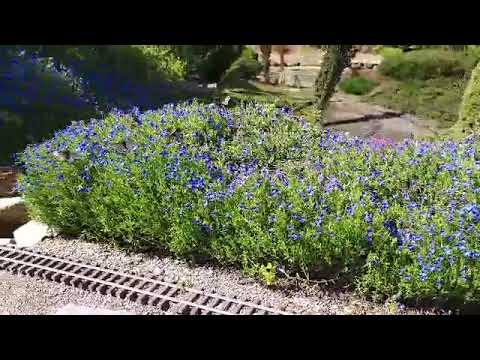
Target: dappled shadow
x,y
35,102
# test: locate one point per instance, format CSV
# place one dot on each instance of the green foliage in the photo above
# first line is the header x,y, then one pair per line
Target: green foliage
x,y
248,53
473,51
256,187
208,61
35,102
357,85
218,61
426,64
194,55
469,115
244,68
428,81
141,62
435,99
268,273
389,52
161,59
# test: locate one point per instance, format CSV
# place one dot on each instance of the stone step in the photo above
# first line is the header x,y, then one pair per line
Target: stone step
x,y
295,76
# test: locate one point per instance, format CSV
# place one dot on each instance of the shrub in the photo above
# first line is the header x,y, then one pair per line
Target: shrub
x,y
357,85
121,75
426,64
35,103
161,59
248,53
469,115
257,187
245,67
141,62
218,61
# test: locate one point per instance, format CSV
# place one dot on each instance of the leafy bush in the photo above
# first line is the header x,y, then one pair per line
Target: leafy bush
x,y
388,51
258,187
469,116
218,61
161,59
357,85
245,67
35,102
426,64
249,53
473,51
121,75
142,62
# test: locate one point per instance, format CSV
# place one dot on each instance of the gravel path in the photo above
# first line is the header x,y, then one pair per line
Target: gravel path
x,y
23,295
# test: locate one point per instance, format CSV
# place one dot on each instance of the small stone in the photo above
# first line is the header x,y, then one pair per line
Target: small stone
x,y
31,233
212,86
158,271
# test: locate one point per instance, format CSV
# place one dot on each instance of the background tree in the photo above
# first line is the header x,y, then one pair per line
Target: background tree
x,y
335,60
266,51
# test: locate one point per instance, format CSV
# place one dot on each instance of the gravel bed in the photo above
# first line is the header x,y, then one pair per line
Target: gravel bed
x,y
304,299
23,295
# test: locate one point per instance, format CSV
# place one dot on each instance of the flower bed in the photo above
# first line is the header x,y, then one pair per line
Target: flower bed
x,y
257,187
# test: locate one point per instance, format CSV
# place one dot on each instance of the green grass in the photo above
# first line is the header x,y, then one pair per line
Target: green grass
x,y
428,82
357,86
437,99
248,91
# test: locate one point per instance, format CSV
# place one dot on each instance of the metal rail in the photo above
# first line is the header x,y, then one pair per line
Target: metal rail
x,y
147,290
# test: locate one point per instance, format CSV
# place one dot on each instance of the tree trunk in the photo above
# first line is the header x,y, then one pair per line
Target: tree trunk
x,y
266,52
336,59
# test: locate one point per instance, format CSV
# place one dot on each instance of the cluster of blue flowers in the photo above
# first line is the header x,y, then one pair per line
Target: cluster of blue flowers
x,y
262,185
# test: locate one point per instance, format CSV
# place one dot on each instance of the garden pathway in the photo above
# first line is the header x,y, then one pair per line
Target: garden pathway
x,y
347,113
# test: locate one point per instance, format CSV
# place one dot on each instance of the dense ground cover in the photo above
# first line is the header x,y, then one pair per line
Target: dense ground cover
x,y
258,187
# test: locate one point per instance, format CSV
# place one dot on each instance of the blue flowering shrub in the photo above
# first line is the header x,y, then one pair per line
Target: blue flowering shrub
x,y
257,187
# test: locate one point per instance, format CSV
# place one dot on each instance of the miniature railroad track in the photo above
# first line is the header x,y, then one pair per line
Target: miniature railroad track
x,y
169,296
